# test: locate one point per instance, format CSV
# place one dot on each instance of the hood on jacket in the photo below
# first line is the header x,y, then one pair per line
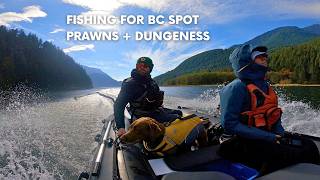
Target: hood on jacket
x,y
243,65
245,68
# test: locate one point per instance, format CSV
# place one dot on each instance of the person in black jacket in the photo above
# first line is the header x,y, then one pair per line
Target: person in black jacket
x,y
144,96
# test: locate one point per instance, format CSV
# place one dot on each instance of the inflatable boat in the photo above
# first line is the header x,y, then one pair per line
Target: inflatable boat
x,y
114,160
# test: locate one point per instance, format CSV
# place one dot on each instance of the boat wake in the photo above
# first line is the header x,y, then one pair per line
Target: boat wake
x,y
297,116
49,139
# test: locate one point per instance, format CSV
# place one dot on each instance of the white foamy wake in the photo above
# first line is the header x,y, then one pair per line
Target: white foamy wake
x,y
206,103
50,139
298,116
113,92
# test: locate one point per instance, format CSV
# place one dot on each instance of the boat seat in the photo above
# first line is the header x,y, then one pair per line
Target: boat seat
x,y
301,171
186,161
205,175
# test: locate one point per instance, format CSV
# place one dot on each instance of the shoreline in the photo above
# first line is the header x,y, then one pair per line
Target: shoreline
x,y
189,85
296,85
275,85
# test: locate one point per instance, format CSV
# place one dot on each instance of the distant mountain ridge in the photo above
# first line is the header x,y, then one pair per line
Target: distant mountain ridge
x,y
315,29
284,36
99,78
217,59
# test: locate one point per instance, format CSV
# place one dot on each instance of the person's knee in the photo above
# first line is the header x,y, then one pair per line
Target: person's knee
x,y
173,111
164,117
178,112
194,134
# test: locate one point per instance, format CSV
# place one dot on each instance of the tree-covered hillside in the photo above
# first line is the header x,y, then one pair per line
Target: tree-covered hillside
x,y
217,59
24,58
208,61
301,62
284,36
293,64
202,78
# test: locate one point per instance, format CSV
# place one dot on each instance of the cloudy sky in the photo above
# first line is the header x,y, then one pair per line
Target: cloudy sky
x,y
228,21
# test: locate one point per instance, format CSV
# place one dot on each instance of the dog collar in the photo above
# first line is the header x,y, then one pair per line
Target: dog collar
x,y
166,144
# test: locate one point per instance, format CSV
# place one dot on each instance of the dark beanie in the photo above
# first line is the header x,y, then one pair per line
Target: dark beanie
x,y
147,61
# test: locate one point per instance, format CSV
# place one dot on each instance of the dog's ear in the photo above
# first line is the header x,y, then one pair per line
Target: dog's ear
x,y
133,124
155,126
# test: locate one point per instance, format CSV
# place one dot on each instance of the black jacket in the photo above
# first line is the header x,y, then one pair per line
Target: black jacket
x,y
135,90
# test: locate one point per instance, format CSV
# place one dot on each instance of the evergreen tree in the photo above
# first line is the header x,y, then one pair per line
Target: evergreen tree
x,y
27,59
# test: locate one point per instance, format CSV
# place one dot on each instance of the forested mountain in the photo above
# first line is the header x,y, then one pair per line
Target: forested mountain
x,y
315,29
202,78
293,64
285,36
209,61
99,78
297,64
217,59
24,58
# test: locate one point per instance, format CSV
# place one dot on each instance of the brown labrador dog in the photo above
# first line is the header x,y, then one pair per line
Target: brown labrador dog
x,y
153,134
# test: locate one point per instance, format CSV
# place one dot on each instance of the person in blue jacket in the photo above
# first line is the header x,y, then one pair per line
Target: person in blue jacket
x,y
251,118
144,96
250,66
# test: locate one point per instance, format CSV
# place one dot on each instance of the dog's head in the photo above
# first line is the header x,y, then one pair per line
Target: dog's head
x,y
143,129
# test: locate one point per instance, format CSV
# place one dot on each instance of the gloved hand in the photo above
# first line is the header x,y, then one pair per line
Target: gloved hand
x,y
278,139
121,132
291,141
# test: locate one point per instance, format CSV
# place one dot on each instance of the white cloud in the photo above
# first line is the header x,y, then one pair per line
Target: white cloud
x,y
294,9
82,47
28,14
167,56
100,27
200,7
50,40
167,26
106,64
97,5
57,30
157,55
212,11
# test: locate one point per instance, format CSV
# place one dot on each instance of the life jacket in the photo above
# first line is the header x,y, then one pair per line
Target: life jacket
x,y
264,111
175,134
149,100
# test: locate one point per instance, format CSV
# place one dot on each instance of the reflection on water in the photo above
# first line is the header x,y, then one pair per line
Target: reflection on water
x,y
308,95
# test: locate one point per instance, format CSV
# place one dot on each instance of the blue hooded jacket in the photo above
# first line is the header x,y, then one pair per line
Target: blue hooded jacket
x,y
235,98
